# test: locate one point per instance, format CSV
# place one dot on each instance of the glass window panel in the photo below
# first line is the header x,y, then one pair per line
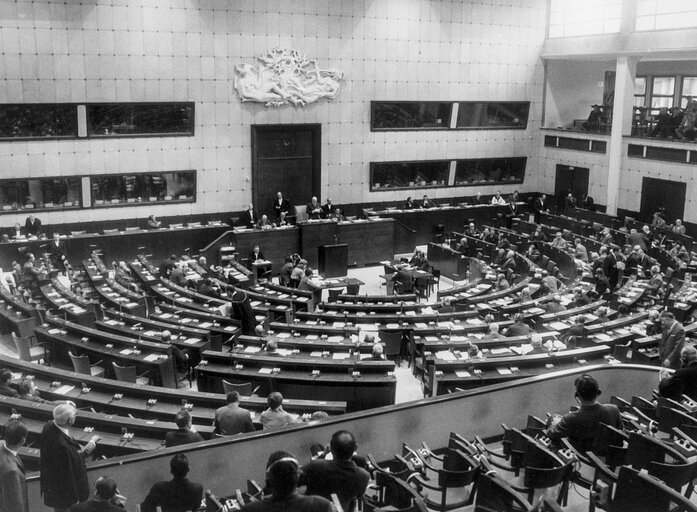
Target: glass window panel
x,y
689,86
639,101
584,17
663,85
661,101
40,193
38,121
130,119
640,85
646,7
611,26
644,23
411,115
390,175
489,171
677,20
143,187
493,115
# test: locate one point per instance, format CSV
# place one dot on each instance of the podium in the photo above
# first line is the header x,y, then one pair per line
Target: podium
x,y
332,260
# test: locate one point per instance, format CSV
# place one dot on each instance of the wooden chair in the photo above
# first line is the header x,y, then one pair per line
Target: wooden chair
x,y
629,489
395,495
393,343
128,374
243,388
81,364
26,351
494,495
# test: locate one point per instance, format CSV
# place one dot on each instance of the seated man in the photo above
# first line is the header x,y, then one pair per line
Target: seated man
x,y
282,476
177,494
153,223
105,498
265,223
314,209
684,380
256,255
519,327
582,426
5,388
580,298
232,419
427,203
340,475
376,354
578,330
275,416
185,433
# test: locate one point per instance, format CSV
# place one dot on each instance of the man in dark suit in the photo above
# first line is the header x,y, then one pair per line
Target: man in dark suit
x,y
683,381
167,266
184,435
249,218
280,205
427,203
611,267
232,419
511,213
63,472
58,252
176,494
672,341
255,255
104,499
13,484
329,210
32,226
519,327
314,209
539,206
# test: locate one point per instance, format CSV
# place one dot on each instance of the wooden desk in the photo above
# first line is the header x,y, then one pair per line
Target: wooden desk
x,y
451,263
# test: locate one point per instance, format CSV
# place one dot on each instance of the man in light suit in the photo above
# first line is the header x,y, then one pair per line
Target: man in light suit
x,y
13,485
672,341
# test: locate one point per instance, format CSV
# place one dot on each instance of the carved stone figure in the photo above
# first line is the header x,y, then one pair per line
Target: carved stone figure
x,y
284,76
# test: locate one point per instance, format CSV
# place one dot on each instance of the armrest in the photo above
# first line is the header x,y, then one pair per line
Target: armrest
x,y
98,362
601,468
430,453
416,477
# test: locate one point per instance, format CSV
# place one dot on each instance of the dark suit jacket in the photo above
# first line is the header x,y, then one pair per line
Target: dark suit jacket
x,y
32,229
176,495
179,437
283,206
310,207
254,257
672,341
249,219
63,473
682,382
58,252
13,485
95,506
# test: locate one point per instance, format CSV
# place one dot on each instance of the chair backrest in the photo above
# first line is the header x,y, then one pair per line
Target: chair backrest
x,y
124,373
243,388
670,417
392,341
642,493
401,496
81,364
674,476
458,470
301,213
644,450
494,495
22,346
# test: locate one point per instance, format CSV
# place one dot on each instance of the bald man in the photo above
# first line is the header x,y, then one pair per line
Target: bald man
x,y
63,473
314,209
684,380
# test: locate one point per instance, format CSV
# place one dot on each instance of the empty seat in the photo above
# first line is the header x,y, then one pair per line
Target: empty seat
x,y
81,364
26,351
128,374
243,388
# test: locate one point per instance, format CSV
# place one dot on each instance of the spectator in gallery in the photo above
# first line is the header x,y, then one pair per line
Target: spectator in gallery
x,y
409,204
280,205
153,223
587,203
687,125
478,199
175,495
664,125
498,199
592,124
427,203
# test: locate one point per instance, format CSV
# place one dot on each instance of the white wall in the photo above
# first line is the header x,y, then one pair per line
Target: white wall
x,y
186,50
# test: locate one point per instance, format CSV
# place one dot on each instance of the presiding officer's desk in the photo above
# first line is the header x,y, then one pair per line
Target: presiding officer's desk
x,y
57,384
119,246
154,358
361,384
422,221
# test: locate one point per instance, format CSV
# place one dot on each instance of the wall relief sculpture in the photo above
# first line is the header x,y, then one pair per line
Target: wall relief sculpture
x,y
283,77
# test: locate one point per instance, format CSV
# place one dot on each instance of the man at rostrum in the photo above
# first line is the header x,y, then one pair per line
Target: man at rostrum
x,y
340,476
232,419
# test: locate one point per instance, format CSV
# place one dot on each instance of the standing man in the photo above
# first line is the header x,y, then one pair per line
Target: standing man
x,y
13,484
329,210
339,476
280,205
539,206
63,472
58,252
249,217
611,267
672,341
32,226
232,419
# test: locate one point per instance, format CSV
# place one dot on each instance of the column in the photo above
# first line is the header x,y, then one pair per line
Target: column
x,y
622,111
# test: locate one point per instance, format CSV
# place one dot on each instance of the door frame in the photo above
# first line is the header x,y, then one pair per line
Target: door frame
x,y
315,128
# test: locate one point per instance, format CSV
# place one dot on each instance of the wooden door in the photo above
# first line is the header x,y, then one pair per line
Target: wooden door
x,y
665,196
285,158
570,179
